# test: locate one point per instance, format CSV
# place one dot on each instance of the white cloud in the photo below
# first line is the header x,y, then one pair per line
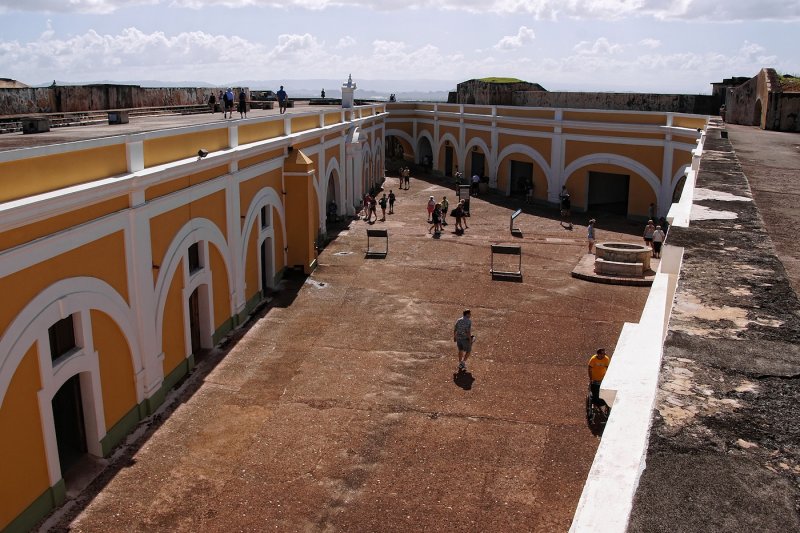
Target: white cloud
x,y
650,43
346,42
600,47
692,10
511,42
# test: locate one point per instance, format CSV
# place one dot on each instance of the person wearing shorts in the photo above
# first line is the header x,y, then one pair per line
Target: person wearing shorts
x,y
590,234
648,233
598,365
658,240
462,336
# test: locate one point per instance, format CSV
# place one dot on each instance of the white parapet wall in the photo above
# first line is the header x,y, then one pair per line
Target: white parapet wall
x,y
630,387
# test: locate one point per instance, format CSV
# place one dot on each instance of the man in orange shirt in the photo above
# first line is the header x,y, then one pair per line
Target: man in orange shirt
x,y
598,365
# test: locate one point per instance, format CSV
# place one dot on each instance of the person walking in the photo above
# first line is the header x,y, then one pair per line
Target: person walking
x,y
458,214
431,207
228,103
464,213
282,100
590,234
242,103
462,336
437,220
373,210
598,366
648,234
566,208
212,102
445,206
658,240
383,203
392,198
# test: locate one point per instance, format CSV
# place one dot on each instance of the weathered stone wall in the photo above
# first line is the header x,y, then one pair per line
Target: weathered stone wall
x,y
761,102
741,103
789,111
485,93
75,98
677,103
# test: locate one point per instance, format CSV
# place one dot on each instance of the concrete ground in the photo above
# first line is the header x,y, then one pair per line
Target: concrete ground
x,y
338,408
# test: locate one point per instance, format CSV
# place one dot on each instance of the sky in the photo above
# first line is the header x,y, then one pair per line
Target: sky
x,y
665,46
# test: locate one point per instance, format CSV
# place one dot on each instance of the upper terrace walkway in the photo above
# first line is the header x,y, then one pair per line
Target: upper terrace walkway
x,y
337,410
11,141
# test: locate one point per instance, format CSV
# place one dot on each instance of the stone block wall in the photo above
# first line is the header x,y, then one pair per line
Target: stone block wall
x,y
677,103
486,93
76,98
761,102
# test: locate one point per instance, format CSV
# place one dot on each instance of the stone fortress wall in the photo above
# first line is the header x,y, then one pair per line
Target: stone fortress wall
x,y
762,101
76,98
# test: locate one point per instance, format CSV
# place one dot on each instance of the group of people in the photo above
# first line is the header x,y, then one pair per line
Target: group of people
x,y
437,215
654,237
405,178
226,100
370,206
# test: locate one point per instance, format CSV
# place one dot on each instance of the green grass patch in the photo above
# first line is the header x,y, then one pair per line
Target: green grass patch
x,y
501,80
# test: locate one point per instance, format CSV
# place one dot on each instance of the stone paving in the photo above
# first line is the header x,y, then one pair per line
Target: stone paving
x,y
338,408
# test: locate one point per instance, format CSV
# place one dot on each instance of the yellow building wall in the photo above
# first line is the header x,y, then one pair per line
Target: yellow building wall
x,y
608,133
690,122
305,123
331,154
50,225
175,147
478,110
524,127
478,134
452,108
250,161
680,158
540,144
640,194
261,131
22,457
172,342
301,229
36,175
164,227
103,259
617,118
526,112
405,127
333,118
248,189
650,156
444,130
222,294
116,369
183,182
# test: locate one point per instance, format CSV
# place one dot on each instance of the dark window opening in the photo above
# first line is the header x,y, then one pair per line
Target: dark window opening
x,y
264,217
62,337
194,258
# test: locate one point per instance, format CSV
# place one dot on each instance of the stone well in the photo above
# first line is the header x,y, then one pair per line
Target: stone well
x,y
622,259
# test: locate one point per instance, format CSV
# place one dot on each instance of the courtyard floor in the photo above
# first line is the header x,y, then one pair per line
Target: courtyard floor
x,y
337,407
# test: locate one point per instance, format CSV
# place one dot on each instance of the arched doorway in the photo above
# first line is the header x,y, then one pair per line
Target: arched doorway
x,y
757,113
425,153
69,423
477,162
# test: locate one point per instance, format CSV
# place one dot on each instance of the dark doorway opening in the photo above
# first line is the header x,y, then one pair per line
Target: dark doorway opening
x,y
608,192
521,178
69,423
477,164
194,321
757,114
448,160
266,265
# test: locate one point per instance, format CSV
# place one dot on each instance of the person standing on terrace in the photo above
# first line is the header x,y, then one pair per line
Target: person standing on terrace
x,y
282,99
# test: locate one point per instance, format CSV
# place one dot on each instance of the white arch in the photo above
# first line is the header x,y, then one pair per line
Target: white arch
x,y
525,150
450,137
612,159
477,141
197,229
266,196
58,301
678,175
405,136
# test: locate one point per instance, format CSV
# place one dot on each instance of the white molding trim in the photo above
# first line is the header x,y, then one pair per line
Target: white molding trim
x,y
265,197
528,151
